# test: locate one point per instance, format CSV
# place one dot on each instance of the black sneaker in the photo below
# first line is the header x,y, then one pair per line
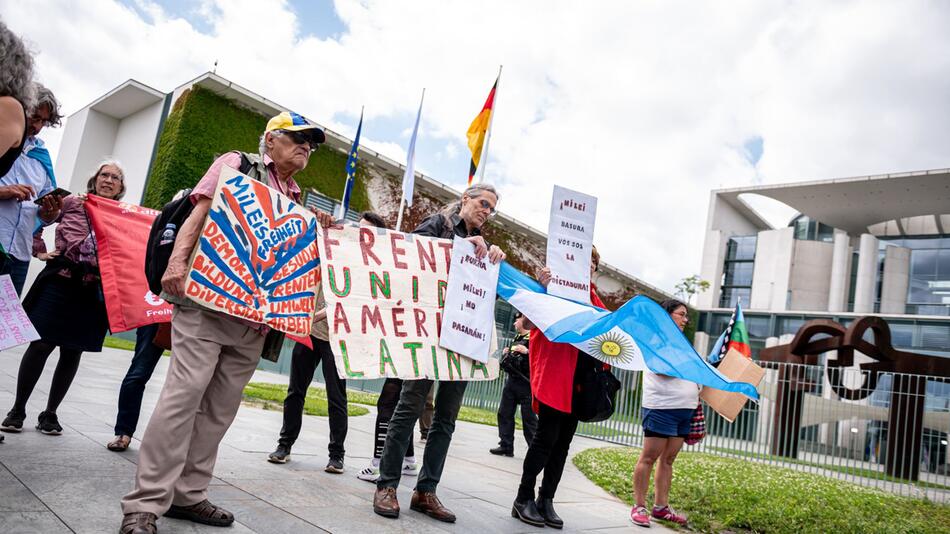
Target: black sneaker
x,y
13,422
280,456
48,424
502,451
335,466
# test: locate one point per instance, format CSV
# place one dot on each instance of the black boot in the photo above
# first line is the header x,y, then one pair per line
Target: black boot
x,y
546,509
527,512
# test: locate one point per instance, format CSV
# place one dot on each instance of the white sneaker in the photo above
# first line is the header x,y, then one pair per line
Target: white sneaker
x,y
368,473
410,469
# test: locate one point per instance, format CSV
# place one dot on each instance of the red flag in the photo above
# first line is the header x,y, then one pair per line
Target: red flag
x,y
121,234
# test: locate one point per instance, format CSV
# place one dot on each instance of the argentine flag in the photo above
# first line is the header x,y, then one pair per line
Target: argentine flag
x,y
640,335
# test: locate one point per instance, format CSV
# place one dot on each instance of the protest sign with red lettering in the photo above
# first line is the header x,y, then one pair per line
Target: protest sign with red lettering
x,y
385,292
15,326
256,257
469,315
121,231
570,240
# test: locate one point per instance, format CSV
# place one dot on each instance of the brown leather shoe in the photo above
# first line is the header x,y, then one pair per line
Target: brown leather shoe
x,y
203,512
427,503
385,503
139,523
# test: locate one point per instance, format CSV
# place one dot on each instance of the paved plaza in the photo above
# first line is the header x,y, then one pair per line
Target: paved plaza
x,y
72,483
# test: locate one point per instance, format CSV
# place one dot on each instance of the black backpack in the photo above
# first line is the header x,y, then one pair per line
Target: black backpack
x,y
161,238
595,390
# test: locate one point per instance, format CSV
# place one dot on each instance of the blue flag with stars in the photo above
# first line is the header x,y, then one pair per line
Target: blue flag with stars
x,y
351,170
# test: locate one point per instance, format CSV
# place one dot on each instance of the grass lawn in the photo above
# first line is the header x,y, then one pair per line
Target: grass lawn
x,y
271,397
114,342
846,469
733,494
118,343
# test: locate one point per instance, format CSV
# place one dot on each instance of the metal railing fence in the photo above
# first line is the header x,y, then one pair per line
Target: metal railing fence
x,y
896,442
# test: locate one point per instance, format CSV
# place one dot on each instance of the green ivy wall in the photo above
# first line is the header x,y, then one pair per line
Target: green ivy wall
x,y
203,124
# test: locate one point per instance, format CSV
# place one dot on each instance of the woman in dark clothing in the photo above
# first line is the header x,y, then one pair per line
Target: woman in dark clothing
x,y
65,304
554,367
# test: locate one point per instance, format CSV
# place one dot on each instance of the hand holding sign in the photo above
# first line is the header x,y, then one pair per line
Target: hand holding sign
x,y
469,320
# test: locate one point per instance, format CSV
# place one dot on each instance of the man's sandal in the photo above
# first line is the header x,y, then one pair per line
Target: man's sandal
x,y
119,444
139,523
203,512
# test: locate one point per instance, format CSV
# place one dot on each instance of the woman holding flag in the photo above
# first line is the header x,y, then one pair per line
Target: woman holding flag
x,y
65,303
554,367
668,407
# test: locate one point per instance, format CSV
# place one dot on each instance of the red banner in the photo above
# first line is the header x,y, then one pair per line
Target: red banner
x,y
121,235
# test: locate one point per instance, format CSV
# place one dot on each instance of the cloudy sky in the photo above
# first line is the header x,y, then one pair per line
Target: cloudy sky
x,y
647,105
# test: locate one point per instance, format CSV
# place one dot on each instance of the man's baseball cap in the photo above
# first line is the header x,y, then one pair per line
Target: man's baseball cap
x,y
292,122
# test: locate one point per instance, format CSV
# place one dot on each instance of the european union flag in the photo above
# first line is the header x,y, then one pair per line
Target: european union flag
x,y
351,170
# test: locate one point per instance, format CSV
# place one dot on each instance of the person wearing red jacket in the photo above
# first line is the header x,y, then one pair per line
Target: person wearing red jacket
x,y
553,368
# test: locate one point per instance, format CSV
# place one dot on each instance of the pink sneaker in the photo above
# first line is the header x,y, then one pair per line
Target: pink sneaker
x,y
667,514
640,516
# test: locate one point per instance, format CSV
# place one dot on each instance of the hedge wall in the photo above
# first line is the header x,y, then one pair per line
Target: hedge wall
x,y
203,124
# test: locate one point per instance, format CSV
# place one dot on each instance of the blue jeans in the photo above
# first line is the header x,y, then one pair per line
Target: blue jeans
x,y
133,385
16,269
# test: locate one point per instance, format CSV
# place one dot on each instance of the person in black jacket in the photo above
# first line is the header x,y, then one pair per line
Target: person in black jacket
x,y
517,392
465,219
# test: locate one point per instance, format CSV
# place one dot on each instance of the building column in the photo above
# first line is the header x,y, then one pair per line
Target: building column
x,y
867,275
714,253
840,273
895,280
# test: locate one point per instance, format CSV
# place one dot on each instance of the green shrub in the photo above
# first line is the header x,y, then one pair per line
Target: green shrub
x,y
203,125
733,494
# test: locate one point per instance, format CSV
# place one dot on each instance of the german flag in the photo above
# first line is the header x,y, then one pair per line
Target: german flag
x,y
478,131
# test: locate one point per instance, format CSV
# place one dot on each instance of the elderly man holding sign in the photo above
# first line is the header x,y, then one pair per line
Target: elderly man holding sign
x,y
214,354
464,219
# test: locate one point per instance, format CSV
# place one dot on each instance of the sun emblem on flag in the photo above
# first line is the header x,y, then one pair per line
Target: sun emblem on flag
x,y
612,347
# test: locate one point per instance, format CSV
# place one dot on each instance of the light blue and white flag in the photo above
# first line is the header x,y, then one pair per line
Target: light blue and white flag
x,y
640,335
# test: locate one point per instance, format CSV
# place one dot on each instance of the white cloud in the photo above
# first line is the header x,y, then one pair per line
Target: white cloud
x,y
645,105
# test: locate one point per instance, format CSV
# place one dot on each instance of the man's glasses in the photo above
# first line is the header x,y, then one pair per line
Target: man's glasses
x,y
301,138
486,205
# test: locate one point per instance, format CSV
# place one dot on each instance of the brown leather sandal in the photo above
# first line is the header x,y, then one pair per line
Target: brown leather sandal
x,y
119,444
139,523
204,512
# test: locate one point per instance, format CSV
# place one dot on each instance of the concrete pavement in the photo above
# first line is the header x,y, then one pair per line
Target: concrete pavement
x,y
72,483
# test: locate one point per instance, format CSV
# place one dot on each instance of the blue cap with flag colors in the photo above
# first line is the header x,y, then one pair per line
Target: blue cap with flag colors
x,y
292,122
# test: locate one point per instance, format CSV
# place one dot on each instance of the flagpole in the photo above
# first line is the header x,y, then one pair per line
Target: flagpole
x,y
402,199
483,160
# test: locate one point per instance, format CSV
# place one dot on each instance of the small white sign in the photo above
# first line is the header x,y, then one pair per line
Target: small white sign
x,y
570,239
15,326
468,320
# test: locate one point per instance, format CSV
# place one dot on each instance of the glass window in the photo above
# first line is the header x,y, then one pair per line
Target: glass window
x,y
789,325
758,327
738,274
923,262
731,295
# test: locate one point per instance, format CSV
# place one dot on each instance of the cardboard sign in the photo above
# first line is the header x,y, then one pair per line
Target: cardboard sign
x,y
121,235
469,318
570,239
385,292
15,326
256,257
739,368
